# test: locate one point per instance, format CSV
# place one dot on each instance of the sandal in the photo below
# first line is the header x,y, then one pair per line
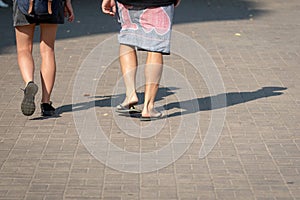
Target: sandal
x,y
127,109
152,118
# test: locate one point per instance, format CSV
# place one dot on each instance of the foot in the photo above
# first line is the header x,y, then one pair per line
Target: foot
x,y
28,105
152,115
130,101
47,109
129,108
128,105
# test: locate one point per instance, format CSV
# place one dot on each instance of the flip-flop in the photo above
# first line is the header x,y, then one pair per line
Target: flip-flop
x,y
151,118
127,109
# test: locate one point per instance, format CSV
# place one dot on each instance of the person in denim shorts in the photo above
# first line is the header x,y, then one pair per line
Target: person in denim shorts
x,y
24,29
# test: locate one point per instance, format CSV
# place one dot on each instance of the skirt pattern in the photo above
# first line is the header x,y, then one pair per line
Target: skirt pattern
x,y
147,29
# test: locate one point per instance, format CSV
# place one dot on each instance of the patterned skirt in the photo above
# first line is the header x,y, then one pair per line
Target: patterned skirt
x,y
147,29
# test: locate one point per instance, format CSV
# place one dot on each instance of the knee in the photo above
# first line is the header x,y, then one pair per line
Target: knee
x,y
46,51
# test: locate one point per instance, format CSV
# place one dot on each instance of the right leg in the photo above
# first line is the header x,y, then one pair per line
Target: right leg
x,y
48,65
128,62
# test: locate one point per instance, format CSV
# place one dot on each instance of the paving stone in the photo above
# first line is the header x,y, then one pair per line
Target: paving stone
x,y
255,46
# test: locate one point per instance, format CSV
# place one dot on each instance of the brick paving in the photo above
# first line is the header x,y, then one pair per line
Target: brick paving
x,y
255,46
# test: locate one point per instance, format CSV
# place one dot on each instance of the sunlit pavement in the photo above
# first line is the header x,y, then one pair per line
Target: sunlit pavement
x,y
255,47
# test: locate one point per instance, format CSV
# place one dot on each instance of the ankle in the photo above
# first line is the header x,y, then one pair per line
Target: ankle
x,y
148,108
29,82
131,99
46,101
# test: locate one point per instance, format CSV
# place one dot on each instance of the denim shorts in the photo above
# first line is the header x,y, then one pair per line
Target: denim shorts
x,y
147,29
19,19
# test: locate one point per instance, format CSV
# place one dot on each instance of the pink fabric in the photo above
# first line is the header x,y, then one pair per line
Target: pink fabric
x,y
127,20
155,19
146,28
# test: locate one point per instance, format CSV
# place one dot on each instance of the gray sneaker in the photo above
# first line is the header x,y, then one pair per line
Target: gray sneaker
x,y
28,105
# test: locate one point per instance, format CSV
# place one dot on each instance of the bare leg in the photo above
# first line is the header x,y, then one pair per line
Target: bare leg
x,y
153,71
128,62
48,66
24,38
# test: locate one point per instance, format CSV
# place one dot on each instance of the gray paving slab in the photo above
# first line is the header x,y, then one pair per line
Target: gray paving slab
x,y
255,47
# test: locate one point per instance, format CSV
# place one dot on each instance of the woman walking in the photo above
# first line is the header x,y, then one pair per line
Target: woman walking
x,y
25,23
145,25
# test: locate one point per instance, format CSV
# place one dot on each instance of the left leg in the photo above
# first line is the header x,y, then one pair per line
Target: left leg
x,y
128,62
24,38
153,71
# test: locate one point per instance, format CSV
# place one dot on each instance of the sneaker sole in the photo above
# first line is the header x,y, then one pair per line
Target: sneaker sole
x,y
28,105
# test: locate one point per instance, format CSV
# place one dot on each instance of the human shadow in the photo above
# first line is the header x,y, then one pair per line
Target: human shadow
x,y
186,107
111,100
221,100
91,21
57,115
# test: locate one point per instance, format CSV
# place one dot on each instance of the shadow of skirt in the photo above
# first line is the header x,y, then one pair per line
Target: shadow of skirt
x,y
147,29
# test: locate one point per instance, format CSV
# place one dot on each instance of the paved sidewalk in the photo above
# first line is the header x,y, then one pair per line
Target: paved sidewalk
x,y
255,46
